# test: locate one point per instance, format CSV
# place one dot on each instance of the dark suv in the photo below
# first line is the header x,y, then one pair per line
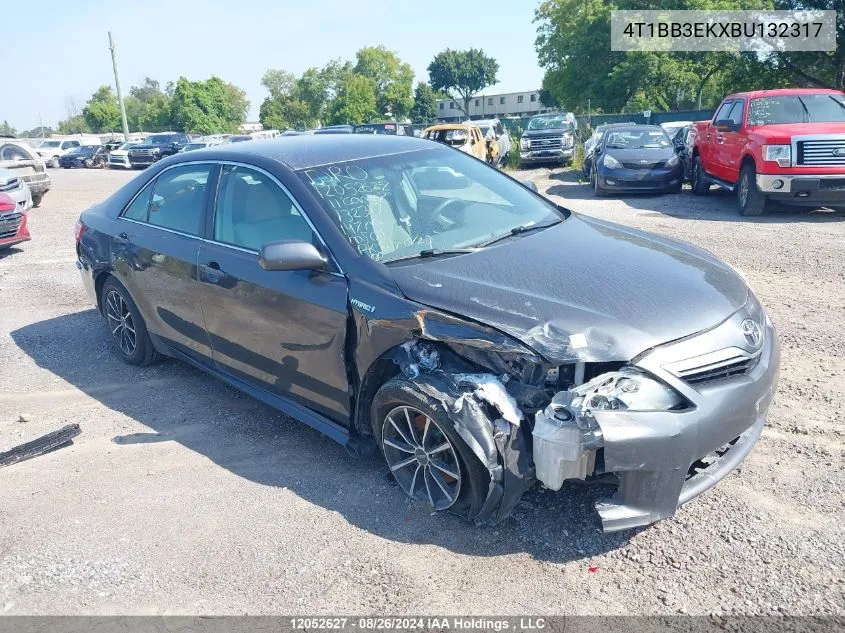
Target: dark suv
x,y
156,147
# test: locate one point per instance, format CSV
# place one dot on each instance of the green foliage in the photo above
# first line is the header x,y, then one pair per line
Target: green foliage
x,y
207,107
148,107
102,113
293,103
7,130
573,45
425,104
462,73
824,69
74,125
356,101
393,80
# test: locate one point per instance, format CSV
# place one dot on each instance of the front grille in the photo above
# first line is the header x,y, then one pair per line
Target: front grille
x,y
142,153
822,152
539,144
736,366
13,184
9,224
647,165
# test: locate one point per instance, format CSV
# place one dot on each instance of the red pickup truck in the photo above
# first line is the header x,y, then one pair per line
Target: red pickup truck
x,y
786,145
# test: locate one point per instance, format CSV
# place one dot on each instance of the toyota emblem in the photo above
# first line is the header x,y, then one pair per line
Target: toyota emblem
x,y
752,332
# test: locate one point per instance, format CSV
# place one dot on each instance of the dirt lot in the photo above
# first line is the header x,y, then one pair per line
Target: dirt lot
x,y
184,496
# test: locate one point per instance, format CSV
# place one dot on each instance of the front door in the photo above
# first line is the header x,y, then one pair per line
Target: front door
x,y
731,143
283,331
155,255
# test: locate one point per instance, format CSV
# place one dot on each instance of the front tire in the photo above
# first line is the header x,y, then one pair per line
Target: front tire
x,y
426,456
54,162
36,199
126,325
598,190
752,202
698,180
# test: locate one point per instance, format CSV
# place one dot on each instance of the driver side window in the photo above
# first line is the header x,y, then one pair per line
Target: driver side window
x,y
252,210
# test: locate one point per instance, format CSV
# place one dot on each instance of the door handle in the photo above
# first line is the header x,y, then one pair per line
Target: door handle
x,y
211,272
122,238
720,139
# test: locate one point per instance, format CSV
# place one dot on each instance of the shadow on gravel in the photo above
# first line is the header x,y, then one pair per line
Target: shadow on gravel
x,y
8,252
178,403
718,205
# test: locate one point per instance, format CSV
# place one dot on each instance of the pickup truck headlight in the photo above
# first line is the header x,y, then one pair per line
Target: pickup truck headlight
x,y
782,154
524,143
611,162
567,140
627,389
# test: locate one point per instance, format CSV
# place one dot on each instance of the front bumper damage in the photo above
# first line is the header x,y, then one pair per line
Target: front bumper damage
x,y
664,459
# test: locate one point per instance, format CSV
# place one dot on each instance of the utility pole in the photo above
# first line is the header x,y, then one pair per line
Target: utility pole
x,y
41,124
119,94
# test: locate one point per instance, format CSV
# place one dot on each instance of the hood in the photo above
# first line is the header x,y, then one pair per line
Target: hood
x,y
583,290
555,133
786,131
651,154
147,146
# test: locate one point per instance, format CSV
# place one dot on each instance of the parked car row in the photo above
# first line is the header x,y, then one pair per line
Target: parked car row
x,y
28,166
785,146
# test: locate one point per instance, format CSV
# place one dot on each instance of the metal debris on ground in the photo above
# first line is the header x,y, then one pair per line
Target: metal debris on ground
x,y
41,445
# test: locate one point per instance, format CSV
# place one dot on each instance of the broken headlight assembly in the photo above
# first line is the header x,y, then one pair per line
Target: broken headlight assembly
x,y
627,389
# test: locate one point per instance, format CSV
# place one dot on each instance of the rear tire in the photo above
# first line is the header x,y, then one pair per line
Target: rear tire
x,y
752,202
447,449
126,325
698,180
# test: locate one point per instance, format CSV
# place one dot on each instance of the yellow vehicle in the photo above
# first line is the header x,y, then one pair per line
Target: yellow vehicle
x,y
466,138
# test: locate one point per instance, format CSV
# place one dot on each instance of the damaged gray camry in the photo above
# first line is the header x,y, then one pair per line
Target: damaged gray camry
x,y
393,291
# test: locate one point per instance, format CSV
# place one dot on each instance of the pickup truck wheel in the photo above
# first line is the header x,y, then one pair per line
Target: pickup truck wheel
x,y
425,454
751,201
36,199
54,162
699,183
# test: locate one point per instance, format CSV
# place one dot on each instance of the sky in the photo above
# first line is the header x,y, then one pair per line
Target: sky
x,y
66,56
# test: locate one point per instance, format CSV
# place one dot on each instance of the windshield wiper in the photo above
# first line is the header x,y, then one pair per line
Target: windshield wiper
x,y
517,230
433,252
806,111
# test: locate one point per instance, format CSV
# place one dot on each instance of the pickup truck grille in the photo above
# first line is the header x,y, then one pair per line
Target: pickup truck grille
x,y
539,144
138,153
9,224
716,371
827,152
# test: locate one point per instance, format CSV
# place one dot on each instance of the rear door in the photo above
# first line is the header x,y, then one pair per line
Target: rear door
x,y
730,143
282,331
708,150
155,255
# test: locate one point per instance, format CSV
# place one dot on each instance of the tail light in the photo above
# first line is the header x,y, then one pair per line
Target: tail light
x,y
79,230
6,203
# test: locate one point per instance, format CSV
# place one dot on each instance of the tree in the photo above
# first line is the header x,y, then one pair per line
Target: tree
x,y
7,130
148,107
74,125
573,45
465,73
292,102
208,107
822,69
355,101
425,104
102,113
393,80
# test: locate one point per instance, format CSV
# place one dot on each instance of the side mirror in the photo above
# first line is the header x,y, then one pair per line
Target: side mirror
x,y
727,125
291,255
529,184
596,150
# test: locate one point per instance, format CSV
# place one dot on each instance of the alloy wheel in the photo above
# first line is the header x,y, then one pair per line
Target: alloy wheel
x,y
121,323
421,457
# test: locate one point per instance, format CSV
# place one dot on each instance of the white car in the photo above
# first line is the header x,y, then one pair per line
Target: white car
x,y
120,157
51,150
493,129
14,186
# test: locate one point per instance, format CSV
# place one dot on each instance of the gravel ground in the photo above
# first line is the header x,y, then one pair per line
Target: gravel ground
x,y
183,496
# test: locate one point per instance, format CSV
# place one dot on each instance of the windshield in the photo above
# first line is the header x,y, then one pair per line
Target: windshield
x,y
160,139
809,108
455,138
637,139
50,144
555,122
390,207
85,149
192,146
126,145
